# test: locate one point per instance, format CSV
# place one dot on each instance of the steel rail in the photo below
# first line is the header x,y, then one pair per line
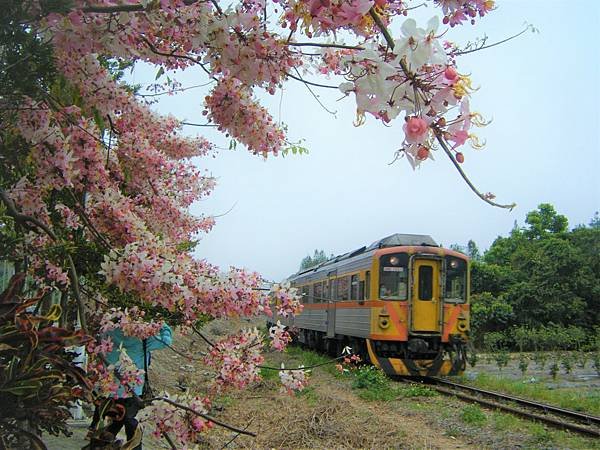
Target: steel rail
x,y
438,384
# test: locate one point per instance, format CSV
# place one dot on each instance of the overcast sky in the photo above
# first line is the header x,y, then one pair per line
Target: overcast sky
x,y
543,146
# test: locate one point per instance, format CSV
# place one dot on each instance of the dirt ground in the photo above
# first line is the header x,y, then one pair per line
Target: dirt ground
x,y
329,413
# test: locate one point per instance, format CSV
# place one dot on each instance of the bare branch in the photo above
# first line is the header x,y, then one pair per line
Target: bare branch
x,y
310,82
204,416
303,368
98,9
483,47
204,338
483,197
324,45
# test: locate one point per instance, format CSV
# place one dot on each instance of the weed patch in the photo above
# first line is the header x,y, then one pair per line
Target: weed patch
x,y
473,415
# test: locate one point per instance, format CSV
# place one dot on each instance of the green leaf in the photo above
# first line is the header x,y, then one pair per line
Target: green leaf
x,y
160,72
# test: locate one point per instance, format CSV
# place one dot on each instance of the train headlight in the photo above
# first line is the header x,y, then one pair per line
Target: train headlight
x,y
384,321
462,325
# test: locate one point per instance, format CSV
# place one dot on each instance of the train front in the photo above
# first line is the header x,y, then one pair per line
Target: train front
x,y
421,324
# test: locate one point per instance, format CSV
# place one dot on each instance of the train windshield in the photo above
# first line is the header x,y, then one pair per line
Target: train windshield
x,y
456,280
393,277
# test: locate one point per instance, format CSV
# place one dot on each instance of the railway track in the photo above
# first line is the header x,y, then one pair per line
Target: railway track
x,y
557,417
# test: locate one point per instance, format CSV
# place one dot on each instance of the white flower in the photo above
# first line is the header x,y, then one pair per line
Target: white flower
x,y
419,45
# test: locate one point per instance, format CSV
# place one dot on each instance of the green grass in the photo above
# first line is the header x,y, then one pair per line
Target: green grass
x,y
505,422
269,374
578,399
473,415
309,395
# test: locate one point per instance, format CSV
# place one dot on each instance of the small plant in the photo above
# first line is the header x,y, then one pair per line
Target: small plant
x,y
567,363
582,359
596,362
473,415
369,377
540,359
523,363
554,369
418,390
472,358
502,358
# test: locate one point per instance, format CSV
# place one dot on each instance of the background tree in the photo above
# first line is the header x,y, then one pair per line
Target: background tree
x,y
318,257
540,274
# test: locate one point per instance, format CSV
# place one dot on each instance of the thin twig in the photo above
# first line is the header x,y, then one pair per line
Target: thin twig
x,y
237,434
169,440
303,368
483,197
310,82
324,45
204,338
466,52
204,416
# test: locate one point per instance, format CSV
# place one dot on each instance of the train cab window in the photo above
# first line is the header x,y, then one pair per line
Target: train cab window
x,y
425,283
368,285
326,291
354,288
318,292
456,280
393,277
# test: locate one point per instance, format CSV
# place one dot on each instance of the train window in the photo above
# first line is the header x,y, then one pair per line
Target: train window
x,y
393,277
333,290
456,280
368,285
425,282
318,292
354,288
304,291
343,288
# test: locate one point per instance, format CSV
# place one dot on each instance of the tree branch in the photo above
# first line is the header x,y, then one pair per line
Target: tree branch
x,y
483,197
303,368
204,338
98,9
310,82
204,416
24,220
324,45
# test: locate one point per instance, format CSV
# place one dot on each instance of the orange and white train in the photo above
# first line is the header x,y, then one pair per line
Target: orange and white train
x,y
402,302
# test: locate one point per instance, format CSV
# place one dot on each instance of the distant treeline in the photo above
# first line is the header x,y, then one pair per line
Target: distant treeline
x,y
538,288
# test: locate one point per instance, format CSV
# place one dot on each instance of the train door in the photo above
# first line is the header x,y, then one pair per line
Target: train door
x,y
425,312
331,308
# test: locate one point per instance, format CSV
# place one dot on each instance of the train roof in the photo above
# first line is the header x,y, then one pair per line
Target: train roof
x,y
394,240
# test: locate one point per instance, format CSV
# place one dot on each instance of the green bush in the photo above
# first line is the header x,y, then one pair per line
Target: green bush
x,y
368,377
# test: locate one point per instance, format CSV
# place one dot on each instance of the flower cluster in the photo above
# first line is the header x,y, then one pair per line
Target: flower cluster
x,y
130,321
293,380
458,11
280,336
326,16
236,359
230,105
183,425
286,300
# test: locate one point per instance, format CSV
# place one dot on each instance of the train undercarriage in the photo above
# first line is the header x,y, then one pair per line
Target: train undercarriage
x,y
419,356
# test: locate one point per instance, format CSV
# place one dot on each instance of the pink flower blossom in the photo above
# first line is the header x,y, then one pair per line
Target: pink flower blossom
x,y
416,130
